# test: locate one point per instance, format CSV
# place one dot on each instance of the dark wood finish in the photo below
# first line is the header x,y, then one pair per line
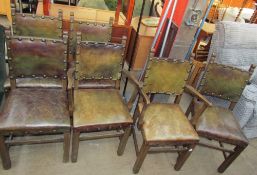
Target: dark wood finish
x,y
207,118
4,152
41,105
169,140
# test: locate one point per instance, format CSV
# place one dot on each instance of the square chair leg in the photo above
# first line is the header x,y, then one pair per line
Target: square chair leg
x,y
141,157
66,147
227,162
124,141
4,152
75,146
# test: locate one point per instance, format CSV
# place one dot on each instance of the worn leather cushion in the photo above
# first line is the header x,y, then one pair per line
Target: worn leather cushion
x,y
96,109
35,83
31,108
167,122
220,123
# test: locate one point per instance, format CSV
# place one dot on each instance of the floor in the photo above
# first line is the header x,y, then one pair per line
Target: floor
x,y
99,157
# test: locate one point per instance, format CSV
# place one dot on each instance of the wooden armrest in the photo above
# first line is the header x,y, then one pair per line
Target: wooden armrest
x,y
132,78
139,85
70,75
195,93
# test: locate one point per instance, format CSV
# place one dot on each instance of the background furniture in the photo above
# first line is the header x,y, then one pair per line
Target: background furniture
x,y
37,26
143,43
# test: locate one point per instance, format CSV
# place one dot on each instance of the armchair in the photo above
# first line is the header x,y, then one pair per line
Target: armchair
x,y
164,127
217,123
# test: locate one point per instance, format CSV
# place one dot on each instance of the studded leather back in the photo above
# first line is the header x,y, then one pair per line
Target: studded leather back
x,y
99,61
29,57
166,76
224,82
90,31
37,26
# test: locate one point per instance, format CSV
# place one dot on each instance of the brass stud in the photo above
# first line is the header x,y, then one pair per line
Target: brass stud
x,y
55,76
80,22
54,41
13,23
19,38
23,15
32,76
31,39
33,15
43,17
43,40
44,76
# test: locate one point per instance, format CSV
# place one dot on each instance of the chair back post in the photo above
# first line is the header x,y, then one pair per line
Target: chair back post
x,y
65,61
76,82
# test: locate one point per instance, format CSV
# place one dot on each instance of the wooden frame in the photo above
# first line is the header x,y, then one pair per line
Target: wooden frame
x,y
197,110
6,142
184,148
121,131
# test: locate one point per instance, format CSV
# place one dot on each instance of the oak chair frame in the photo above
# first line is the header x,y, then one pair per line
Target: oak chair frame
x,y
122,133
10,141
197,110
183,149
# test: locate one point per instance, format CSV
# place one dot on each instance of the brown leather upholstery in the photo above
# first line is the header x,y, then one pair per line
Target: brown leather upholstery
x,y
96,109
35,82
217,122
30,108
224,82
167,122
166,76
37,57
99,61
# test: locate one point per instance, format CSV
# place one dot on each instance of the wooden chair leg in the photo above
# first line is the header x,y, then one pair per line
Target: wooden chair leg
x,y
227,162
4,153
66,147
75,146
141,157
183,157
124,141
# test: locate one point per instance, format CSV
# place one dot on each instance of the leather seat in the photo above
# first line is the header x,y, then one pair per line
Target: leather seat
x,y
31,108
167,122
97,109
217,122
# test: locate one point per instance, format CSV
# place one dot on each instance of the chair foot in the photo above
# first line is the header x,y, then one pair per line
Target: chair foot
x,y
66,147
4,153
227,162
75,146
183,157
141,157
123,141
